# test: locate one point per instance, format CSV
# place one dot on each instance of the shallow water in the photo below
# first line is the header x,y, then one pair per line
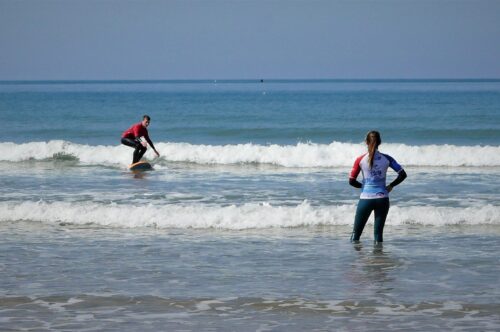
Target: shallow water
x,y
94,278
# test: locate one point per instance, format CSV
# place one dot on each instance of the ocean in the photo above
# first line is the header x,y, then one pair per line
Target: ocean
x,y
244,223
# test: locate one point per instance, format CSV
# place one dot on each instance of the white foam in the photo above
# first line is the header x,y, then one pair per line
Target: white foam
x,y
56,149
246,216
336,154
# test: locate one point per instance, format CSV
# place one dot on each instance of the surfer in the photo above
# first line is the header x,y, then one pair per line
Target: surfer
x,y
133,137
374,192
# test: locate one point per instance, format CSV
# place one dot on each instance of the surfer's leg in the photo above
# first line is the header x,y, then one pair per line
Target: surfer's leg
x,y
129,142
363,212
381,211
139,152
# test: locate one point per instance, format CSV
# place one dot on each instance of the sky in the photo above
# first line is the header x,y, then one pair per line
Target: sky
x,y
272,39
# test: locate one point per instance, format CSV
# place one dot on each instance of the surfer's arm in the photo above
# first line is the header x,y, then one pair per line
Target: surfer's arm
x,y
152,145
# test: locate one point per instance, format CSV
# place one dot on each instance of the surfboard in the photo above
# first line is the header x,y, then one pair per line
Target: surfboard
x,y
141,166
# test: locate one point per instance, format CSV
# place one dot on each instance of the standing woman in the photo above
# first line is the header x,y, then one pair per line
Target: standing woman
x,y
374,192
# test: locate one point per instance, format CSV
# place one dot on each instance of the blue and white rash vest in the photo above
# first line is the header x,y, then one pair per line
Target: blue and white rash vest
x,y
374,178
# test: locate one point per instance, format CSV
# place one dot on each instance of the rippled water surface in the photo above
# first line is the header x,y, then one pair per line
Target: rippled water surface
x,y
84,278
244,223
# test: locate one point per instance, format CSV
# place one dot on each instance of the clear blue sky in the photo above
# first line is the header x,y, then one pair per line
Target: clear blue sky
x,y
222,39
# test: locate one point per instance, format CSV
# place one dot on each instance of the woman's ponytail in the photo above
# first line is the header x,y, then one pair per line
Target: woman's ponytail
x,y
373,140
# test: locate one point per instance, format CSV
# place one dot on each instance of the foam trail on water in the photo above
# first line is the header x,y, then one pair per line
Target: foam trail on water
x,y
336,154
246,216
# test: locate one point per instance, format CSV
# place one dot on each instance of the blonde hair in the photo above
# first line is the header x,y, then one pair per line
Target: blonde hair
x,y
373,140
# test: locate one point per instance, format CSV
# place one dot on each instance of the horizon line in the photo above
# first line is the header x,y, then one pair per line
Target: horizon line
x,y
246,80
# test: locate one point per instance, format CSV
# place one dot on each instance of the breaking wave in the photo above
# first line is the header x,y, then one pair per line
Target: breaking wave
x,y
336,154
233,217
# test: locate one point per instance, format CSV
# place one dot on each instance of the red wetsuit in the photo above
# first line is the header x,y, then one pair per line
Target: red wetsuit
x,y
137,130
130,138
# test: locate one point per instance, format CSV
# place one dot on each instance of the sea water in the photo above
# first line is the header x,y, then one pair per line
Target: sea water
x,y
244,224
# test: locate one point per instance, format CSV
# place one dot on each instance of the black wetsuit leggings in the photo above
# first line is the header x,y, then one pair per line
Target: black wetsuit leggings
x,y
365,208
140,150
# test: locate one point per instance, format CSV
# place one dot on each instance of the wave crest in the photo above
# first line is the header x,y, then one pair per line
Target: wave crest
x,y
246,216
335,154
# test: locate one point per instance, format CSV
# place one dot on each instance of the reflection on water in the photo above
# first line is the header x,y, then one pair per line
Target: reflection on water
x,y
372,270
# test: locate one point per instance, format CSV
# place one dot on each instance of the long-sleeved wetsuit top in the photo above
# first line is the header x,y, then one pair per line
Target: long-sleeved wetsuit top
x,y
136,131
